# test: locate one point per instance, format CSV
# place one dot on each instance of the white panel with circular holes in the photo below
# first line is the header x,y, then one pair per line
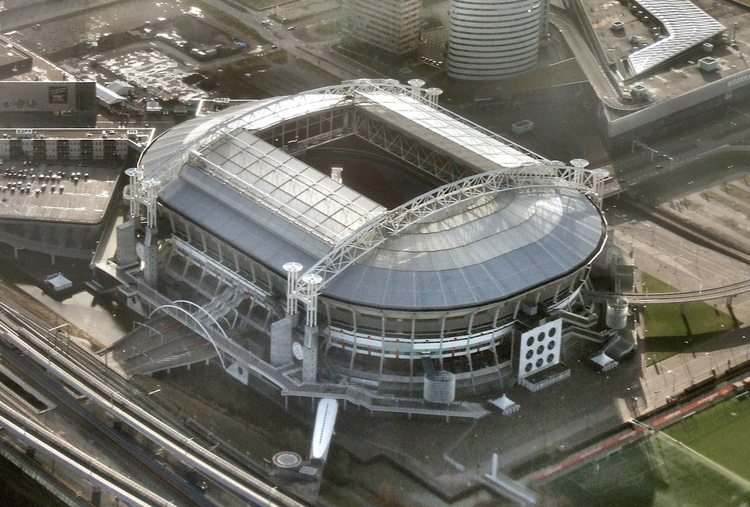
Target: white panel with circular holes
x,y
540,348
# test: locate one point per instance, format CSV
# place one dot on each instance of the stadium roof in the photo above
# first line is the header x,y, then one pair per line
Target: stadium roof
x,y
478,252
218,173
223,144
687,26
482,150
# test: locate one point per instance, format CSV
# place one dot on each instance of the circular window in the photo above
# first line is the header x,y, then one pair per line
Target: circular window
x,y
551,345
552,331
540,349
539,362
541,336
529,354
550,358
528,368
530,341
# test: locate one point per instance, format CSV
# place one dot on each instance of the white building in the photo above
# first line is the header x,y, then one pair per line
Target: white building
x,y
493,39
390,25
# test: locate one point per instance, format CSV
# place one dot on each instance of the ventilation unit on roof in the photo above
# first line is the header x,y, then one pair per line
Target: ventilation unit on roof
x,y
639,93
708,64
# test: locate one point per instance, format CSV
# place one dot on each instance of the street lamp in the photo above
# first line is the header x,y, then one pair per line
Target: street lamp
x,y
713,363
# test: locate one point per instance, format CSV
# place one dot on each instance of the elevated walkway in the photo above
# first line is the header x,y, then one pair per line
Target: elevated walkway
x,y
286,378
589,335
724,292
159,344
585,319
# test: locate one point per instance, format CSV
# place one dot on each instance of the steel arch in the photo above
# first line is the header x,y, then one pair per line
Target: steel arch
x,y
206,334
196,305
389,224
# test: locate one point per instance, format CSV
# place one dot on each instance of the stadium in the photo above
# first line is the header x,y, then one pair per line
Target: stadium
x,y
424,257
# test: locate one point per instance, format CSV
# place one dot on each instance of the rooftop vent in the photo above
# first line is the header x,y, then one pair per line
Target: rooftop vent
x,y
708,64
639,93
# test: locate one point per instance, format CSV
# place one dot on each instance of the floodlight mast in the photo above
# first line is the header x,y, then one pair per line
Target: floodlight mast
x,y
292,271
311,282
142,192
136,175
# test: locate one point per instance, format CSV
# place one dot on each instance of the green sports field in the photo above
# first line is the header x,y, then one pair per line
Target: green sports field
x,y
652,472
720,433
701,460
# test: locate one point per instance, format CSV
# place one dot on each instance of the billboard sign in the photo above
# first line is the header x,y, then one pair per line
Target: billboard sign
x,y
38,96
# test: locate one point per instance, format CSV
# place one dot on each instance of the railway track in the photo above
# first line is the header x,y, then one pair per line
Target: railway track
x,y
99,432
42,440
84,374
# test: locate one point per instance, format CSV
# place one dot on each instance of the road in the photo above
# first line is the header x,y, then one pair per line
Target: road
x,y
318,54
588,62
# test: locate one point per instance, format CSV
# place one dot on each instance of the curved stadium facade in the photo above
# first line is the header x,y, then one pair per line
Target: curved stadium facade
x,y
309,282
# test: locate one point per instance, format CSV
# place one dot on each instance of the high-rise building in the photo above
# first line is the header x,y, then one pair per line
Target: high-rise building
x,y
390,25
493,39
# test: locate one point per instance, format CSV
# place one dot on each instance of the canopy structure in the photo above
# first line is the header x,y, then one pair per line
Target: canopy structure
x,y
604,362
58,282
506,405
686,25
107,96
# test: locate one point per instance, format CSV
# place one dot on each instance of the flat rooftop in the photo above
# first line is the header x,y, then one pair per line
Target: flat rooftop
x,y
42,70
680,74
84,201
10,54
141,136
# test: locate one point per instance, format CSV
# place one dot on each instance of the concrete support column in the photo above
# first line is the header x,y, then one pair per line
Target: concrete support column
x,y
281,342
150,257
310,355
125,255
